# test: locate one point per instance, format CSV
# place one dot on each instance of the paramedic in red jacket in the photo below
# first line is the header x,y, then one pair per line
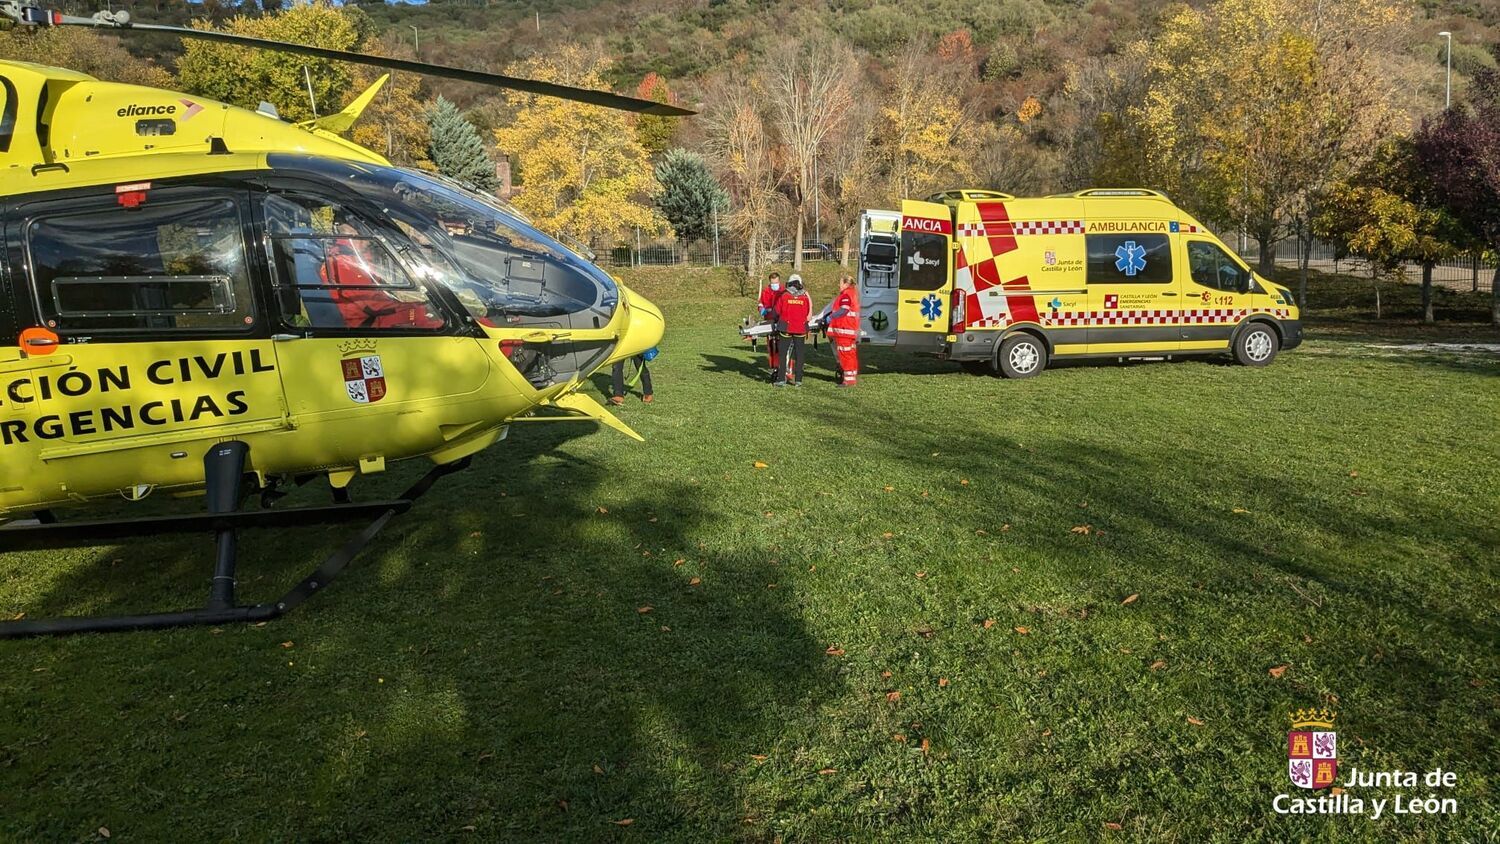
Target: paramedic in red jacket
x,y
792,312
843,329
768,298
358,294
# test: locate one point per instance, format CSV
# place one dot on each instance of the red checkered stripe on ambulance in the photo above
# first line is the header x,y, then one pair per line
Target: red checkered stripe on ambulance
x,y
1064,319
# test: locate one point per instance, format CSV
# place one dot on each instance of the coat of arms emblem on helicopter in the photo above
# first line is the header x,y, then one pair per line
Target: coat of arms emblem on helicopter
x,y
364,376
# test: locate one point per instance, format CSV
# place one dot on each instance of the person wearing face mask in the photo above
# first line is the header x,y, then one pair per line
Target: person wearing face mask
x,y
770,296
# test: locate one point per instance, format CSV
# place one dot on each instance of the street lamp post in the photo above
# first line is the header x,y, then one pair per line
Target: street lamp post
x,y
1448,86
416,41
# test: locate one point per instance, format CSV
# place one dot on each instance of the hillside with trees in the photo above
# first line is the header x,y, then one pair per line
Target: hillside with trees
x,y
1265,116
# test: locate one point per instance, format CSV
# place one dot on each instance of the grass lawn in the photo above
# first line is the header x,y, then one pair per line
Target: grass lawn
x,y
950,607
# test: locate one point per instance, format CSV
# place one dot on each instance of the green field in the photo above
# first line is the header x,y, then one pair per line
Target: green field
x,y
950,607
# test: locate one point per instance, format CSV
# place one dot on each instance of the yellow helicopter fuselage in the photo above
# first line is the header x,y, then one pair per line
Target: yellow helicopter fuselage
x,y
179,272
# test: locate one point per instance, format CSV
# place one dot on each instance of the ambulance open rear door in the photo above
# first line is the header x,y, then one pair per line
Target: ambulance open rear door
x,y
925,275
875,276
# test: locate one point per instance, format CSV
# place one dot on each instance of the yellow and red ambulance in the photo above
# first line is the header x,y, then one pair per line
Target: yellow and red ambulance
x,y
1008,284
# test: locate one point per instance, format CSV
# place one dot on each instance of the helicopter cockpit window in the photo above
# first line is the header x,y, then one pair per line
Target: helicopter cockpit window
x,y
173,265
501,269
333,270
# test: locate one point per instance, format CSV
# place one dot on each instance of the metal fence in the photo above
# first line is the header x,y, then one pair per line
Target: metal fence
x,y
1465,273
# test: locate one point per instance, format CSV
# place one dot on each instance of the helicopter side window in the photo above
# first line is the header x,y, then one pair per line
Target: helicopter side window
x,y
334,271
174,265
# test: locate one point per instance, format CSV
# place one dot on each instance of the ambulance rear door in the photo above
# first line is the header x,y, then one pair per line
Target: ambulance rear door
x,y
925,279
875,275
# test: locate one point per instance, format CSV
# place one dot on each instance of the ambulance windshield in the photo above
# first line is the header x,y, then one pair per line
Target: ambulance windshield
x,y
500,267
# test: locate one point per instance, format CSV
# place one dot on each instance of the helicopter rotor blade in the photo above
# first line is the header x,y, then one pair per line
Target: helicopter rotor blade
x,y
114,23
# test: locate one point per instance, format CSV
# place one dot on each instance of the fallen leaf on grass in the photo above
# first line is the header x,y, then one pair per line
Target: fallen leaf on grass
x,y
1196,722
942,682
643,610
103,832
666,629
1240,510
926,745
759,757
826,771
1046,733
1358,492
921,575
964,482
1015,570
760,464
598,770
834,650
695,581
1023,630
889,489
899,738
1158,665
623,822
1353,473
887,535
981,532
601,510
562,804
1112,825
988,623
286,644
1083,529
892,697
885,674
1477,683
1277,671
1306,638
679,562
1131,598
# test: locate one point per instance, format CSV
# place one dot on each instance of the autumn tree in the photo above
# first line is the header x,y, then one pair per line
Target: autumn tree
x,y
395,124
925,140
1252,106
585,171
654,131
456,148
811,89
1386,214
1460,154
852,170
245,77
86,52
690,197
740,144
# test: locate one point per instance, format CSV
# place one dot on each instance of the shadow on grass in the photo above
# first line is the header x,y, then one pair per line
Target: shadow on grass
x,y
517,656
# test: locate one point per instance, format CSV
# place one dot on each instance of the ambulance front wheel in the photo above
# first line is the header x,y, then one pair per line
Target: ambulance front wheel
x,y
1021,356
1256,346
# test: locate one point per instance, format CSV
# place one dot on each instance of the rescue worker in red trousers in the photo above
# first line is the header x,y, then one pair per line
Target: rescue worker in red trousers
x,y
843,331
768,298
792,312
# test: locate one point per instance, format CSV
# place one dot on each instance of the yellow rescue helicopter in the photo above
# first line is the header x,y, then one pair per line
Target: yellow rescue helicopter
x,y
197,298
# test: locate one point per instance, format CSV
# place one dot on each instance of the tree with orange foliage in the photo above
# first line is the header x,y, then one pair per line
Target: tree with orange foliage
x,y
655,132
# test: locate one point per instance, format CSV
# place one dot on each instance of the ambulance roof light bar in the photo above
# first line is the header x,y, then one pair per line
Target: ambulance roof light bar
x,y
1118,192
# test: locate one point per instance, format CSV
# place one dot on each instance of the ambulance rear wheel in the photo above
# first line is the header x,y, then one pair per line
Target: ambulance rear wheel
x,y
1256,346
1021,356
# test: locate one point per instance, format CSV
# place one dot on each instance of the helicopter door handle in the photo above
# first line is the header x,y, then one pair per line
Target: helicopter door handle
x,y
282,338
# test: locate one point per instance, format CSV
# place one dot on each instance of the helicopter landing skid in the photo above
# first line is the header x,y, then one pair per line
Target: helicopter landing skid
x,y
224,465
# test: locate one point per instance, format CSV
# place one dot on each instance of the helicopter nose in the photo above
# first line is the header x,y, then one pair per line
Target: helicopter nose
x,y
643,327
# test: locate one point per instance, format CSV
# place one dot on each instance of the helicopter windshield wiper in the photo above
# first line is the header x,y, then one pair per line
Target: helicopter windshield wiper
x,y
31,15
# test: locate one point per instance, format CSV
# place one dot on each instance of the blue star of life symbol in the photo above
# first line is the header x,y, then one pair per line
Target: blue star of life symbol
x,y
932,307
1130,258
1055,303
